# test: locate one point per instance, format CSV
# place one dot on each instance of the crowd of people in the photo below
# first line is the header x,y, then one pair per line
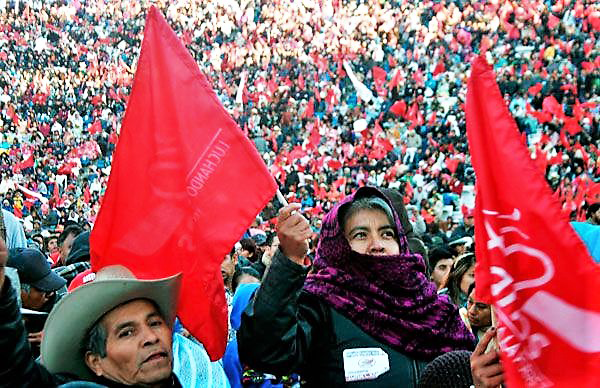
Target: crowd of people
x,y
335,95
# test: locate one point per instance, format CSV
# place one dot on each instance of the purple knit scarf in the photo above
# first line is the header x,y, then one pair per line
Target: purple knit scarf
x,y
389,297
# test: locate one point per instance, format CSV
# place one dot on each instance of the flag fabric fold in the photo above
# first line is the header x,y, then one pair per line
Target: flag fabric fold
x,y
173,202
530,263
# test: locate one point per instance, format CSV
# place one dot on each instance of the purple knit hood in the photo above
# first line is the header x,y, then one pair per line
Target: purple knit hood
x,y
389,297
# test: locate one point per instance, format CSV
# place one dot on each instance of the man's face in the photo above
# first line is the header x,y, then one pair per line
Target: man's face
x,y
273,247
596,216
227,269
441,271
65,248
138,345
35,299
39,241
479,314
460,249
52,245
469,221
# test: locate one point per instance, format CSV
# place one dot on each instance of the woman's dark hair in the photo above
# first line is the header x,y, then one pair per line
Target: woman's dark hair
x,y
249,245
460,268
471,288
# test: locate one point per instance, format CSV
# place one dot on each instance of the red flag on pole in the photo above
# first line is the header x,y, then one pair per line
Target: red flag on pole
x,y
29,162
315,137
530,263
301,82
535,89
95,128
395,79
170,205
309,111
379,78
398,108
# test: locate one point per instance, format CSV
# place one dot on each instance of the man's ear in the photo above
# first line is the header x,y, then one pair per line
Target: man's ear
x,y
93,362
24,296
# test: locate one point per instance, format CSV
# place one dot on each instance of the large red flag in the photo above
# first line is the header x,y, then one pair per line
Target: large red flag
x,y
173,202
530,263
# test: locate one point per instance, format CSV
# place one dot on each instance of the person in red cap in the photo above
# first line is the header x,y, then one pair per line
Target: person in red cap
x,y
467,228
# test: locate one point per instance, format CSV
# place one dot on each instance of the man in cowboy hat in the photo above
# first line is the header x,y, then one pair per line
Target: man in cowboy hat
x,y
115,331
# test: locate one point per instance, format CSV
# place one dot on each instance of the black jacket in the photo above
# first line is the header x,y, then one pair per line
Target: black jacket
x,y
285,330
18,369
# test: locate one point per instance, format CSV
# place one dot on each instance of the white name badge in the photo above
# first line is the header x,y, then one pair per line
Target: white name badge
x,y
365,363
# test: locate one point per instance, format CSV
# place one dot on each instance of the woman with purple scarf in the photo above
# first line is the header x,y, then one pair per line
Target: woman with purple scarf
x,y
366,315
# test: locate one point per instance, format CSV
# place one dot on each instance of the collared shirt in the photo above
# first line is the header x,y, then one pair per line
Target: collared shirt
x,y
68,272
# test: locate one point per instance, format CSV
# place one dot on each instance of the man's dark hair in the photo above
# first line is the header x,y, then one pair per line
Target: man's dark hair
x,y
48,239
437,254
593,209
270,237
95,340
73,229
235,279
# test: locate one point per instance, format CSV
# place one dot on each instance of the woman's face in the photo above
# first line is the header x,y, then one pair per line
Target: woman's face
x,y
467,279
369,231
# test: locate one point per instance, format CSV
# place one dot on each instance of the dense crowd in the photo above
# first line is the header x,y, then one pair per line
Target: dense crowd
x,y
282,70
335,95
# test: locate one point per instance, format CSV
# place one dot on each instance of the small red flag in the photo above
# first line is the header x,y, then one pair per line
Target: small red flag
x,y
379,78
29,162
551,105
315,136
398,108
301,82
309,111
530,263
395,79
552,21
452,164
95,128
379,75
535,89
572,126
556,159
170,206
87,195
440,67
588,66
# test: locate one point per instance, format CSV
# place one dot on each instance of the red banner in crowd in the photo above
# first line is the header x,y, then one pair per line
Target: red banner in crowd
x,y
530,263
185,184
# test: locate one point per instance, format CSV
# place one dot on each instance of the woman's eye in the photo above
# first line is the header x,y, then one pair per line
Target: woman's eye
x,y
359,235
389,233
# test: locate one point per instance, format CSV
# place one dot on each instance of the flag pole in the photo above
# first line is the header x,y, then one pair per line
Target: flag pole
x,y
281,198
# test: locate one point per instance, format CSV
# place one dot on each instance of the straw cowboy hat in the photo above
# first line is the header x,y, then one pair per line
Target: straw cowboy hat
x,y
75,314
